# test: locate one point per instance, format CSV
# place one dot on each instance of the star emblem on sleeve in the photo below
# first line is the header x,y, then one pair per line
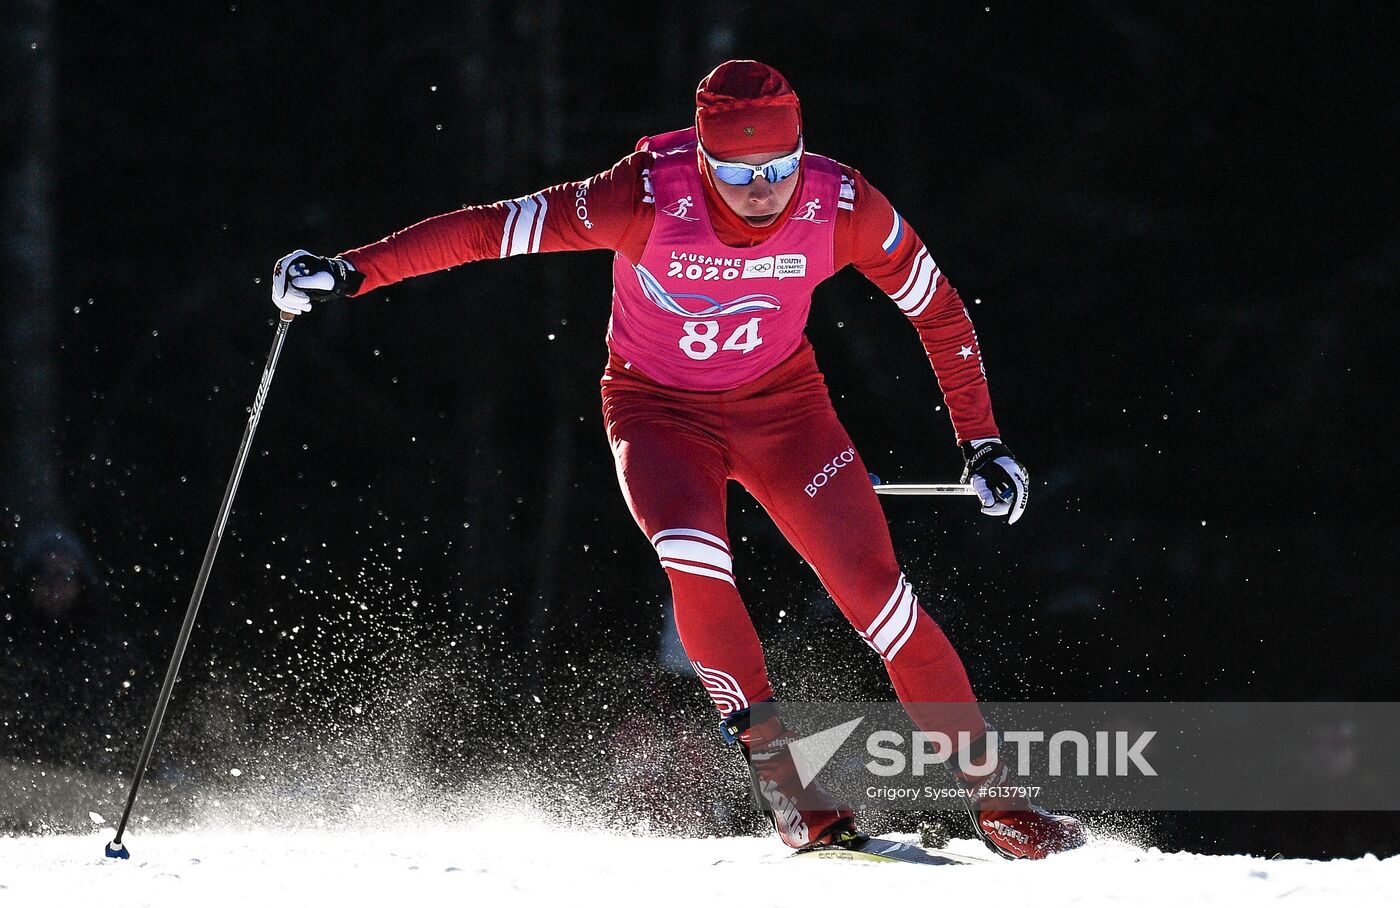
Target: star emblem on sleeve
x,y
964,351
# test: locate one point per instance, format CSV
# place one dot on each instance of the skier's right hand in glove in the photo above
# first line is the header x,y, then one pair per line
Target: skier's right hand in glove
x,y
300,278
999,479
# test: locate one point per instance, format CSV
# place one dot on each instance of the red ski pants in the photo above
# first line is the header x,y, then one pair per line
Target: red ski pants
x,y
779,437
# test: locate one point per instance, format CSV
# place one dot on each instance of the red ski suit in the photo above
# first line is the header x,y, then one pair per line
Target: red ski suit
x,y
676,447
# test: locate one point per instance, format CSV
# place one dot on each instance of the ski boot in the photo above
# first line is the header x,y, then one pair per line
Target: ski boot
x,y
1009,824
820,821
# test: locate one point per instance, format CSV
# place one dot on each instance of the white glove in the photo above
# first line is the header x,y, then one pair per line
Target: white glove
x,y
998,478
299,278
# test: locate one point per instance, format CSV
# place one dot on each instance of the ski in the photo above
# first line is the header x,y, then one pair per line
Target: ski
x,y
880,850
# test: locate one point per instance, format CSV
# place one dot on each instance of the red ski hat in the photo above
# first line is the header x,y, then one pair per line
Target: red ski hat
x,y
744,107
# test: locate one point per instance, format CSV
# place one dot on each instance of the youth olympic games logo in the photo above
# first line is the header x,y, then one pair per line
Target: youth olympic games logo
x,y
671,302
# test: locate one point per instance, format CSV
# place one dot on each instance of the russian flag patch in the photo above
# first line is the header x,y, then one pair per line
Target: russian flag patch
x,y
896,237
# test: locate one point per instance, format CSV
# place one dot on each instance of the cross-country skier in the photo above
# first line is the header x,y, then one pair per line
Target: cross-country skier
x,y
720,233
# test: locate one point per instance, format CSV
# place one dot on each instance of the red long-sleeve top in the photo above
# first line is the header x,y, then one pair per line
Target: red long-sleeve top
x,y
613,210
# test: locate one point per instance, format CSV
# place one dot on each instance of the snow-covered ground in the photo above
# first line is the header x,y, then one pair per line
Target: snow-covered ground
x,y
512,862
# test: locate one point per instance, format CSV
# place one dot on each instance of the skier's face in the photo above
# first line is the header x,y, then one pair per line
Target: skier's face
x,y
760,202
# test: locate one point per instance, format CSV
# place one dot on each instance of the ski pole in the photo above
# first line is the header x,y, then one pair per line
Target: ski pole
x,y
115,848
923,488
920,488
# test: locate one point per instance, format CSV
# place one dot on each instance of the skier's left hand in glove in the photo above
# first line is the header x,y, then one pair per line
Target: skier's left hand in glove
x,y
300,278
997,476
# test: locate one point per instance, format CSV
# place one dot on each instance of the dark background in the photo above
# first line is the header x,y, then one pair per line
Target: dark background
x,y
1174,225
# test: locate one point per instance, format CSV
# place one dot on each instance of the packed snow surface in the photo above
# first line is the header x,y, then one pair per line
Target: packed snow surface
x,y
516,862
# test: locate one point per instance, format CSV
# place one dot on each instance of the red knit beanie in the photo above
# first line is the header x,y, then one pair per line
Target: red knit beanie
x,y
744,107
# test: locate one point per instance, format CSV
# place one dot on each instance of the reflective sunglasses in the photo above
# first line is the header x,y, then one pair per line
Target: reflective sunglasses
x,y
743,174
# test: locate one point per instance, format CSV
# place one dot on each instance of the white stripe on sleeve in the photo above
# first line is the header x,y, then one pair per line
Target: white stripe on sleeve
x,y
539,223
917,291
913,273
928,297
514,210
847,195
521,229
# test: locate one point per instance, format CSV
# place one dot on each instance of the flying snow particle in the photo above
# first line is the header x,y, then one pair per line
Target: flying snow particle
x,y
96,817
